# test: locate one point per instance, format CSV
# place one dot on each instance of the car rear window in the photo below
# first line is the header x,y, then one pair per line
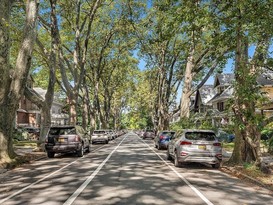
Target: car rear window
x,y
168,133
207,136
62,131
99,132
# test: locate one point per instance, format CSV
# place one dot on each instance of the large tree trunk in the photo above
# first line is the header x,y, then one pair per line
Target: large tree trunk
x,y
244,105
14,84
45,111
187,87
6,150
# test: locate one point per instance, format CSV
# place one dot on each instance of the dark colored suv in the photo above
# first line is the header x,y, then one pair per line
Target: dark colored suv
x,y
149,134
66,139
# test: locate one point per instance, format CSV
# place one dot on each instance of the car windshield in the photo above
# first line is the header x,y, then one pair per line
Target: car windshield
x,y
207,136
62,131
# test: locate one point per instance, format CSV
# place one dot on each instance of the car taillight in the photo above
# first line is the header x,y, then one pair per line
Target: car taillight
x,y
161,137
183,153
77,138
185,143
219,156
217,144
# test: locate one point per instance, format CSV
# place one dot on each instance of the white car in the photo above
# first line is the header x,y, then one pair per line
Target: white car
x,y
100,136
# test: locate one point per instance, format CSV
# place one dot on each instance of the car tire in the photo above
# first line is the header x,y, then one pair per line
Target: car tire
x,y
80,151
216,166
88,149
159,147
168,155
106,142
176,162
50,154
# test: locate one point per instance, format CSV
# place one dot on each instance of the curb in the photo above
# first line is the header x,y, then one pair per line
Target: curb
x,y
239,174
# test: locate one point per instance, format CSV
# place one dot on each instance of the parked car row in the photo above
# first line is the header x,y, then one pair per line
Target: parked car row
x,y
190,145
74,139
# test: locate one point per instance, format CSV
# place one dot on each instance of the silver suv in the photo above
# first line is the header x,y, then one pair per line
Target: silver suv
x,y
100,136
195,146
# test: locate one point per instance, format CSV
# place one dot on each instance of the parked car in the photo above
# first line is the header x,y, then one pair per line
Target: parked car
x,y
266,134
225,137
195,146
149,134
162,139
66,139
100,136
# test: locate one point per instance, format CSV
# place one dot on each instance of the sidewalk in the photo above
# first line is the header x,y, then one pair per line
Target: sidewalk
x,y
27,153
262,180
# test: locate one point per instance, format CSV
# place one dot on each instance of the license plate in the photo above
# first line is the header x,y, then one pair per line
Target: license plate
x,y
61,140
202,147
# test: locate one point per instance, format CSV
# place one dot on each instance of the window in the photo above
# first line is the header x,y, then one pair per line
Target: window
x,y
205,136
220,106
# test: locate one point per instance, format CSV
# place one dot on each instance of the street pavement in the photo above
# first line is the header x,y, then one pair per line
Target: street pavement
x,y
126,171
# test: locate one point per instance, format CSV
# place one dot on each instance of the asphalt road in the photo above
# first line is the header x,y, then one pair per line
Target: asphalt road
x,y
126,171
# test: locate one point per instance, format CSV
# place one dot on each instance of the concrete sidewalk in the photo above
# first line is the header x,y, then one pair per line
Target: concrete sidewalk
x,y
28,152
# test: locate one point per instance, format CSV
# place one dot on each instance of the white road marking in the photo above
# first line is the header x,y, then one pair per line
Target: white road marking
x,y
40,180
73,197
181,177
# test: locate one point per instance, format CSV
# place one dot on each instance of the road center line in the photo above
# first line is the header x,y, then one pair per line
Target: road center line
x,y
72,198
181,177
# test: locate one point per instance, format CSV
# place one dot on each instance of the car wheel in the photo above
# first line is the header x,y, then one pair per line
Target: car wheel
x,y
216,166
80,151
50,154
158,147
106,142
168,155
176,162
88,149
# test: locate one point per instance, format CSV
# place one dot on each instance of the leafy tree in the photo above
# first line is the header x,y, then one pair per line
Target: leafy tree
x,y
207,46
251,27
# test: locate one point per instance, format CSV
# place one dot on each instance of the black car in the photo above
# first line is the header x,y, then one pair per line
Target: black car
x,y
66,139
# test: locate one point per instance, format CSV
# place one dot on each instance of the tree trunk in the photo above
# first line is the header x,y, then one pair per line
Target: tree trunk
x,y
85,112
72,109
187,88
12,89
49,97
6,150
248,142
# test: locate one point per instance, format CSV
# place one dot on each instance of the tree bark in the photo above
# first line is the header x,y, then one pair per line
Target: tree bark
x,y
247,146
13,86
187,88
49,97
